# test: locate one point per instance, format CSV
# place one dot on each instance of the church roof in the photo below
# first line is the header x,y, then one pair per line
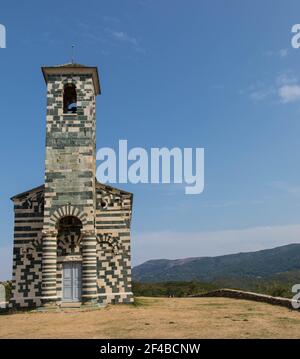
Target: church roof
x,y
26,193
73,69
98,185
112,189
70,64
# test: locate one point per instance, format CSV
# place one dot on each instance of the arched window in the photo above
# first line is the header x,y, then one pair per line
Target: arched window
x,y
70,99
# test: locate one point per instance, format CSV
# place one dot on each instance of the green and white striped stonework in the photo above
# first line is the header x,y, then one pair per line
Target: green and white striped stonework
x,y
49,263
89,267
102,243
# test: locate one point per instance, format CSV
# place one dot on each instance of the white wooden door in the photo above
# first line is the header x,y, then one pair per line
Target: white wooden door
x,y
71,282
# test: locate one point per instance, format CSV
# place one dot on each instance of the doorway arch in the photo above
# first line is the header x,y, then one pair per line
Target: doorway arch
x,y
68,236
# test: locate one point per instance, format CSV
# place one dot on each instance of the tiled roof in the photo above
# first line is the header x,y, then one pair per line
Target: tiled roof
x,y
71,68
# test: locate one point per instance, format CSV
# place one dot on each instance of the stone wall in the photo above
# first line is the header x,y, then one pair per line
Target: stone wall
x,y
27,253
237,294
113,215
70,167
113,245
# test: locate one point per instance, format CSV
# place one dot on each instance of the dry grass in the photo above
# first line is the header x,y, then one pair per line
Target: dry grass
x,y
159,318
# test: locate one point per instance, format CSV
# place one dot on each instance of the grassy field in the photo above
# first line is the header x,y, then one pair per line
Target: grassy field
x,y
159,318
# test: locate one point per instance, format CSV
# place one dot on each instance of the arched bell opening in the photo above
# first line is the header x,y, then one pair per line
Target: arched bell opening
x,y
70,99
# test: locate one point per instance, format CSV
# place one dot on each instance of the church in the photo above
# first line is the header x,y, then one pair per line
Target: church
x,y
72,233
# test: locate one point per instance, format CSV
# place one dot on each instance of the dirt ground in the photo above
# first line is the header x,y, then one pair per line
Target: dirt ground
x,y
159,318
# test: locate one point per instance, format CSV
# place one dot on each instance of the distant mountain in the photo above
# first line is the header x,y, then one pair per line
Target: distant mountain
x,y
261,264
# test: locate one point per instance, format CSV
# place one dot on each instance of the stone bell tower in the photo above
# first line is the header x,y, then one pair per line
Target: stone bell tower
x,y
72,233
70,168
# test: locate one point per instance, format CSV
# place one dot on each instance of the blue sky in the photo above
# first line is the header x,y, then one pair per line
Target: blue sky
x,y
215,74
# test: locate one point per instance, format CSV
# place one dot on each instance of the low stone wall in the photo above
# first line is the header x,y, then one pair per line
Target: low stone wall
x,y
237,294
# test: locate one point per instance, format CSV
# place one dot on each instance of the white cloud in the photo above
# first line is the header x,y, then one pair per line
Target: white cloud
x,y
262,93
286,88
289,93
286,78
288,188
124,37
172,245
281,52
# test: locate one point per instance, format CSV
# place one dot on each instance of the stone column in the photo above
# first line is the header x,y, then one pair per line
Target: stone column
x,y
89,268
49,263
